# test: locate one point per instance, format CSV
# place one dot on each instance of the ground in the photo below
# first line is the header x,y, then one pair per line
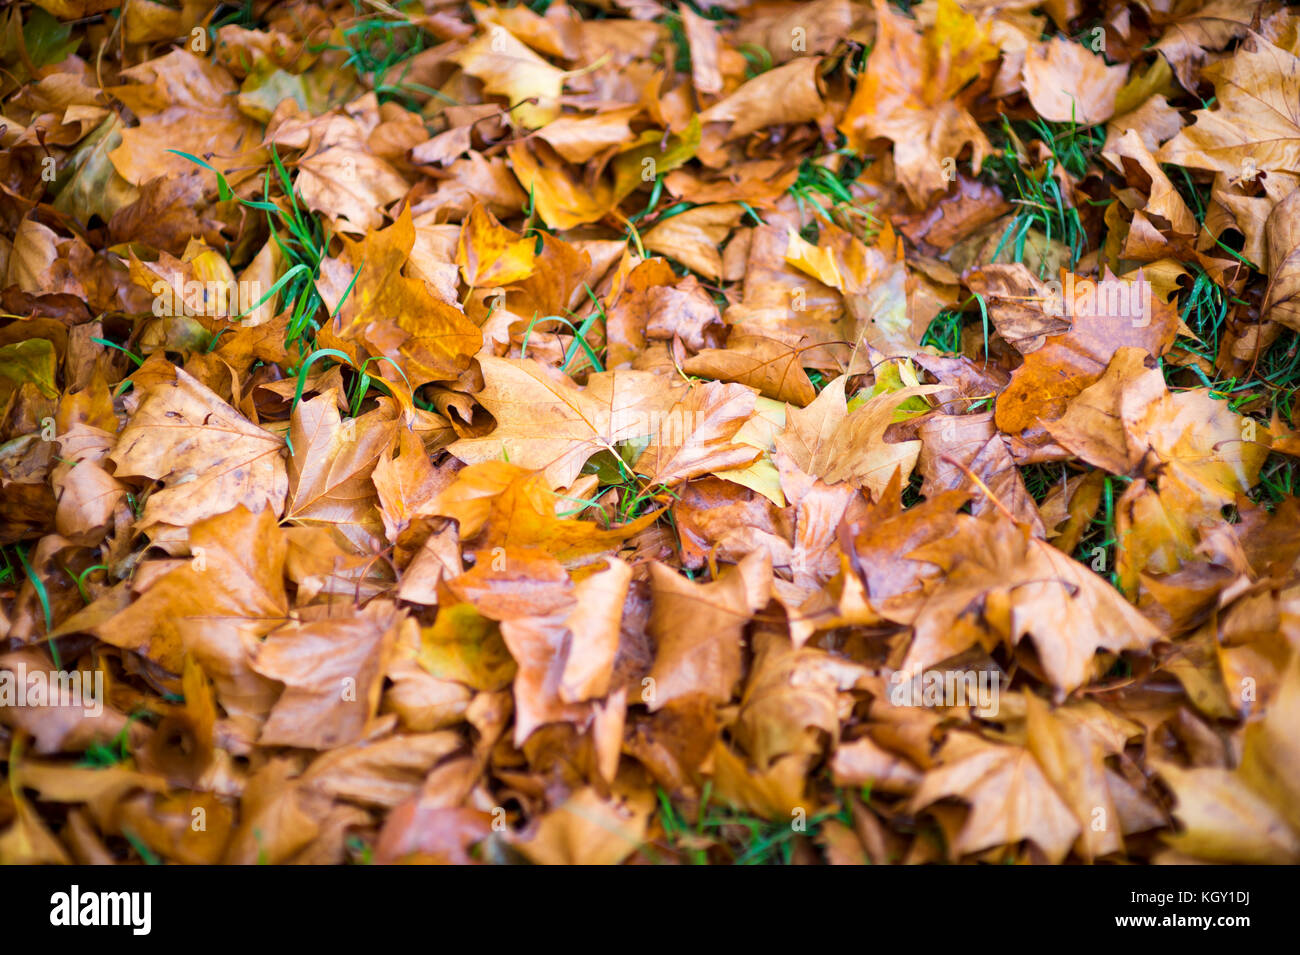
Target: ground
x,y
649,433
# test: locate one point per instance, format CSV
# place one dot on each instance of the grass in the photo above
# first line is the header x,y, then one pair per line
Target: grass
x,y
1275,377
377,45
113,753
9,575
580,333
304,242
234,14
1276,481
944,331
304,246
1097,547
829,192
1268,388
1040,479
1035,190
614,470
744,838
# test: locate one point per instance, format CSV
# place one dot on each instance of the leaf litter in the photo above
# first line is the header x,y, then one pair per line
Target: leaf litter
x,y
638,432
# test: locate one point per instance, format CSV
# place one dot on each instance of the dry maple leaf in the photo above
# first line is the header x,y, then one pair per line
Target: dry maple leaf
x,y
1009,796
387,314
1254,124
787,94
208,456
332,670
1164,205
230,592
406,483
874,282
909,95
698,435
1282,242
331,466
547,422
1040,388
698,629
581,138
827,441
1018,304
563,199
1071,751
509,68
501,505
776,793
1270,760
1186,438
693,237
489,254
1069,84
789,693
1001,584
566,659
185,103
1225,820
971,441
1199,28
766,364
588,830
340,177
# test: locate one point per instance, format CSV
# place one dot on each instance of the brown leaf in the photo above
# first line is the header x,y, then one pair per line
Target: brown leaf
x,y
698,629
208,456
1068,83
1009,796
825,440
1002,584
332,671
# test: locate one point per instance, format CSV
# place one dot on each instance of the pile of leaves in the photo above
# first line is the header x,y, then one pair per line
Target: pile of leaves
x,y
556,432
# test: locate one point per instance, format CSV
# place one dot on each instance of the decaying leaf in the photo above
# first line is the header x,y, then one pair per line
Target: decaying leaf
x,y
631,432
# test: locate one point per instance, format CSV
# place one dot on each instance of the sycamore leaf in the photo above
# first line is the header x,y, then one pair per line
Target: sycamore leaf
x,y
208,456
232,585
909,95
331,467
390,315
1282,241
501,505
1067,83
1253,124
465,646
1009,796
509,68
547,422
588,830
342,178
1107,316
827,441
332,671
787,94
1003,585
698,628
185,103
566,659
489,254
